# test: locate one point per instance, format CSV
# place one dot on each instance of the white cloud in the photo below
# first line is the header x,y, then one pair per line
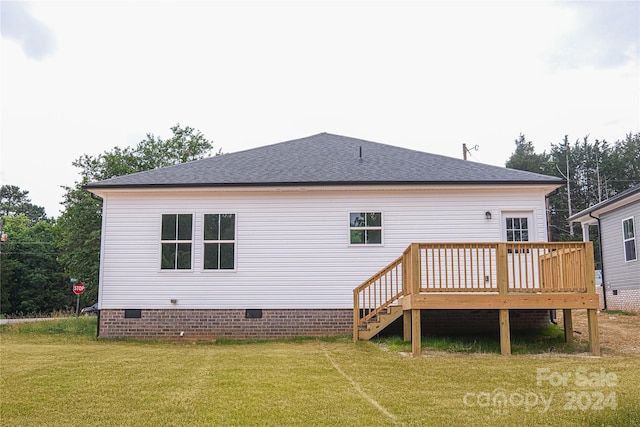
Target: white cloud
x,y
602,34
17,23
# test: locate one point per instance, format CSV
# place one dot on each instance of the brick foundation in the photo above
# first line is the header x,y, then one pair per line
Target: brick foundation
x,y
626,299
287,323
283,323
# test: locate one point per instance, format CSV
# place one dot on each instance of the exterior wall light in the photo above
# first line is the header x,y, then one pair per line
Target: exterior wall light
x,y
487,215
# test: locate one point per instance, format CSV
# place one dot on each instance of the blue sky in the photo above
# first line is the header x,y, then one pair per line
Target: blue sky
x,y
83,77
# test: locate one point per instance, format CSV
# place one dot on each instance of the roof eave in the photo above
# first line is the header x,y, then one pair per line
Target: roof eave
x,y
90,186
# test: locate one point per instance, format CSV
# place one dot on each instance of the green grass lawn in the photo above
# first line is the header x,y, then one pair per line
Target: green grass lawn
x,y
56,373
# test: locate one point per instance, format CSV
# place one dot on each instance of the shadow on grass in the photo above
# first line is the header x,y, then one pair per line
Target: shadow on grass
x,y
545,340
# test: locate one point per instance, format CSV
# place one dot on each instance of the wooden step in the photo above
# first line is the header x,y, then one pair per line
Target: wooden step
x,y
382,320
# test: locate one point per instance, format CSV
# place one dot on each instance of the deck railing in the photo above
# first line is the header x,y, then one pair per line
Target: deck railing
x,y
379,292
527,267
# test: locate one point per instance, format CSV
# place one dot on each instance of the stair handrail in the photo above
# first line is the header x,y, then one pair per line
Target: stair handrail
x,y
375,299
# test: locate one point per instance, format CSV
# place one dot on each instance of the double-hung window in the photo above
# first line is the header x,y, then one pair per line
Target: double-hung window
x,y
219,241
365,228
176,241
629,240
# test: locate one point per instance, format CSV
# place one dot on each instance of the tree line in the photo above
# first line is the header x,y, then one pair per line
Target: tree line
x,y
593,172
41,255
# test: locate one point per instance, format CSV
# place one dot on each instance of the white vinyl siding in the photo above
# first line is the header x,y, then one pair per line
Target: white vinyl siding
x,y
291,245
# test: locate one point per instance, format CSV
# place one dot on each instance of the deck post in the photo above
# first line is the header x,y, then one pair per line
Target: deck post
x,y
594,334
592,313
503,289
414,285
415,268
356,316
568,325
502,272
406,290
505,333
406,325
415,333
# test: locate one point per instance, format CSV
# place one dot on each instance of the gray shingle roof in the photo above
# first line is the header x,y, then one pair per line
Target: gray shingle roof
x,y
582,215
325,159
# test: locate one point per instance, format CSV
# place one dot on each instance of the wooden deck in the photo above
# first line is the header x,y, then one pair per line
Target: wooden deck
x,y
500,276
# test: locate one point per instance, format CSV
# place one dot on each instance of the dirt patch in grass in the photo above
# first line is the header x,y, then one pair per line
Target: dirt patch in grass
x,y
619,332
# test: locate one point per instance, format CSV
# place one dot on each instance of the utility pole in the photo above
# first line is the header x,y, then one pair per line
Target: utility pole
x,y
566,143
567,176
598,174
466,150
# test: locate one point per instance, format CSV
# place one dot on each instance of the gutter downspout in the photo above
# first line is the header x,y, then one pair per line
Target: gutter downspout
x,y
604,283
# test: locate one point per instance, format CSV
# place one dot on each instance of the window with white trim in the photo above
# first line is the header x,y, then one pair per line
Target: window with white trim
x,y
219,241
176,241
517,229
629,240
365,228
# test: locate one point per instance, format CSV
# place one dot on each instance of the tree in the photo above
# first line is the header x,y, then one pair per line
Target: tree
x,y
32,280
14,202
80,223
525,158
594,171
625,160
79,239
151,153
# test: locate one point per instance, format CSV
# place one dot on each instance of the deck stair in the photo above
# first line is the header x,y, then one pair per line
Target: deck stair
x,y
379,322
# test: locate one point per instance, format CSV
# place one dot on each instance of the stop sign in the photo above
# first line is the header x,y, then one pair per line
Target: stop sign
x,y
78,288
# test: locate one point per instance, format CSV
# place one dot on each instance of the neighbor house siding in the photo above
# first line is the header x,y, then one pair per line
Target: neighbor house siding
x,y
292,246
620,275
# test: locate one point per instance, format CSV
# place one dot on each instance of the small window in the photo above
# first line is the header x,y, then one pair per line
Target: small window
x,y
176,241
517,229
219,241
365,228
629,240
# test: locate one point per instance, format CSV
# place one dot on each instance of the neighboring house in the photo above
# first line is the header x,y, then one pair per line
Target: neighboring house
x,y
618,219
272,241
